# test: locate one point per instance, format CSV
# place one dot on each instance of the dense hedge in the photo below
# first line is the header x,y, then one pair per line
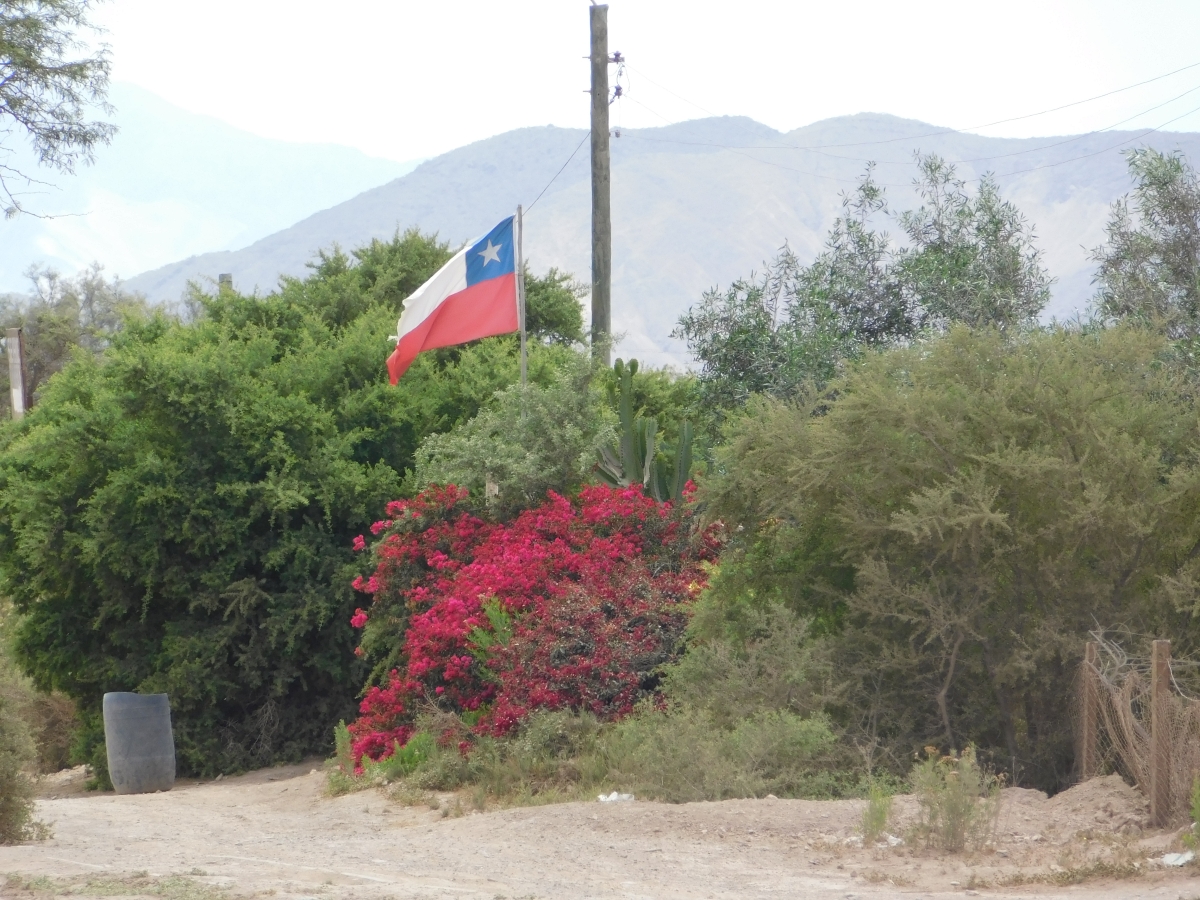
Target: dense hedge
x,y
177,514
956,516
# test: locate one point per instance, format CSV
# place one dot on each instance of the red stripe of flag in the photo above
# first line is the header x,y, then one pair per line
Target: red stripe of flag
x,y
482,310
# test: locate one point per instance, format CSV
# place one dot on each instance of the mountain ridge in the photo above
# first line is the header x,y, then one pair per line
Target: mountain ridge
x,y
697,204
175,183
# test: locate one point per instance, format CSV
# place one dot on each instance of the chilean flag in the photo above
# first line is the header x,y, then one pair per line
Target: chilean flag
x,y
472,296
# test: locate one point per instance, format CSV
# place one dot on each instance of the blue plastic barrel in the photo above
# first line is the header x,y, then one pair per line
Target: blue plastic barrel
x,y
140,743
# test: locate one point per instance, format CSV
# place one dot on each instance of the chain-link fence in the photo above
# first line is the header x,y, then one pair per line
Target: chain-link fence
x,y
1136,720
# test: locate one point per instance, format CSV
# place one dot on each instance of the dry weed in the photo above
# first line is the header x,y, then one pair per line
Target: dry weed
x,y
138,885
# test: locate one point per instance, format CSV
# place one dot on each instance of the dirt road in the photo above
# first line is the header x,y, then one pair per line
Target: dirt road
x,y
275,833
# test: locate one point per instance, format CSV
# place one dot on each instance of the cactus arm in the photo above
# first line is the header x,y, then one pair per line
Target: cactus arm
x,y
629,454
648,432
683,461
610,470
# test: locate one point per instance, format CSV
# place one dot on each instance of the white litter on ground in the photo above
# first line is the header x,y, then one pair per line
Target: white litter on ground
x,y
614,797
1178,859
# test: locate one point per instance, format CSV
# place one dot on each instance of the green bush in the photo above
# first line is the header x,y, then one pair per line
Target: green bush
x,y
554,756
17,756
683,755
877,812
177,514
744,659
526,442
344,777
739,721
954,517
49,717
1192,837
677,756
959,801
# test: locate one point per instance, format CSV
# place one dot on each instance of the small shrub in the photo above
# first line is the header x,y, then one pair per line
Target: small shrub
x,y
342,775
550,756
347,774
742,657
683,755
877,812
1192,837
405,760
53,723
49,717
88,748
959,801
18,753
16,790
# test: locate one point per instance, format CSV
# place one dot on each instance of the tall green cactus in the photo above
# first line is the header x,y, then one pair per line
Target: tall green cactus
x,y
637,457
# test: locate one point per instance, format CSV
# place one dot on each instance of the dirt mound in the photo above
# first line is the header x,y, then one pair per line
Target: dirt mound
x,y
59,784
1095,807
1100,804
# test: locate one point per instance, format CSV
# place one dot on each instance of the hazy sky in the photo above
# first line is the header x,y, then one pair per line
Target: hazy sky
x,y
404,79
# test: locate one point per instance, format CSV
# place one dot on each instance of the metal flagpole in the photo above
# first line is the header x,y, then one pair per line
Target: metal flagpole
x,y
521,291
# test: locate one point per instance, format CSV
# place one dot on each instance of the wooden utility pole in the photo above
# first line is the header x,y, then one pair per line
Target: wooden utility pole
x,y
601,211
1160,733
15,347
1089,761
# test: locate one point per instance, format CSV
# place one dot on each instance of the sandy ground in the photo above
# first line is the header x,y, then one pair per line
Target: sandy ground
x,y
275,833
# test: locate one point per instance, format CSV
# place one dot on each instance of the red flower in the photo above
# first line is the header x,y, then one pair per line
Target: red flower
x,y
580,602
359,619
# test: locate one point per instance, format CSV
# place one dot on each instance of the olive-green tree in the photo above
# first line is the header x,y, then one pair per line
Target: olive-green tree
x,y
959,517
49,80
553,313
1149,268
970,257
61,316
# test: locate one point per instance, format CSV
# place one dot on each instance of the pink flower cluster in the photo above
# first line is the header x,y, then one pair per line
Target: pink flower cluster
x,y
574,604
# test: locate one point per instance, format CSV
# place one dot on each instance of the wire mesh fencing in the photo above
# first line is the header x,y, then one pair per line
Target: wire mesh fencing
x,y
1136,720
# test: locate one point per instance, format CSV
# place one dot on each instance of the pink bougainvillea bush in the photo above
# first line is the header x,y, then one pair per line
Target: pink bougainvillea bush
x,y
572,605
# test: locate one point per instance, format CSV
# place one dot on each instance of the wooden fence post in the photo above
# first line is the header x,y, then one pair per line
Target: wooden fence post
x,y
15,349
1160,734
1090,724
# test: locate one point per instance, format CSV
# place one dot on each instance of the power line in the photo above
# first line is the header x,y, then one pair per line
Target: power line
x,y
1070,140
969,128
1137,137
1027,150
1091,133
741,150
559,172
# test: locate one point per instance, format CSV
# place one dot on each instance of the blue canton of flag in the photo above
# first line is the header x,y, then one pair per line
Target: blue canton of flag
x,y
492,256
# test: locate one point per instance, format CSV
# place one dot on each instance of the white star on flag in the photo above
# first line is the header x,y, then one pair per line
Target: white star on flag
x,y
490,253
